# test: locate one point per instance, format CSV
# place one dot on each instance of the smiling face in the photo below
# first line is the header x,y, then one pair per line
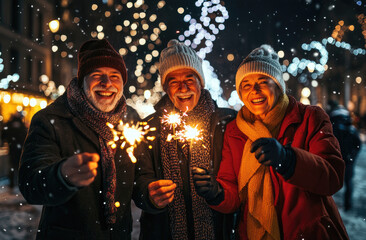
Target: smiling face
x,y
104,88
183,88
259,94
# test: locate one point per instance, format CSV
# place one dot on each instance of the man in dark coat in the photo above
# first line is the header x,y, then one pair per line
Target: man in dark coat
x,y
68,166
14,133
172,209
350,143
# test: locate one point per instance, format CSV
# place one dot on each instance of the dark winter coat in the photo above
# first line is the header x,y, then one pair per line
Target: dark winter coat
x,y
155,222
304,203
347,135
55,135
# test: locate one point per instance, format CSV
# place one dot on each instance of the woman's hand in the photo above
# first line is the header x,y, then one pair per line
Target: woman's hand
x,y
207,186
270,152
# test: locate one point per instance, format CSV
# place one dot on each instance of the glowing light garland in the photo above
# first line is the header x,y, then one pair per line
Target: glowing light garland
x,y
4,82
316,69
201,34
144,31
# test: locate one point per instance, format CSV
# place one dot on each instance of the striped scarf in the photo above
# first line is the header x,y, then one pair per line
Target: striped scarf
x,y
199,157
97,121
254,179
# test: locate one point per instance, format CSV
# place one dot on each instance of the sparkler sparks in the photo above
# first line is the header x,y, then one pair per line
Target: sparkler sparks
x,y
130,134
189,133
173,119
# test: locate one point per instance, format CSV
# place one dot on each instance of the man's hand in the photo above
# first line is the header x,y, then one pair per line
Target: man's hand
x,y
270,152
161,192
81,169
207,186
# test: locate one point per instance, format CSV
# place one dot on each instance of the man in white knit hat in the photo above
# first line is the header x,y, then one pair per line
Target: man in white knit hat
x,y
172,208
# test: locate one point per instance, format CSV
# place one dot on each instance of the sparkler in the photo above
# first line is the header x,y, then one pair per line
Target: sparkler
x,y
130,134
172,119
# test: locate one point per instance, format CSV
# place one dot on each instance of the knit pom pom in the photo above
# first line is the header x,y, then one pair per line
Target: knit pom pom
x,y
173,42
267,47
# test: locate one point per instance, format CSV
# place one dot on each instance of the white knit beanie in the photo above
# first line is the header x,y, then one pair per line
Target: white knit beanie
x,y
263,60
177,55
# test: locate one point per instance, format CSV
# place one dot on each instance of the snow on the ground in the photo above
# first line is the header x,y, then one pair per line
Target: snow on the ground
x,y
18,220
355,219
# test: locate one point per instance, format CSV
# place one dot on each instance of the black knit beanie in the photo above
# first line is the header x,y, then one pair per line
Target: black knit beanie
x,y
99,53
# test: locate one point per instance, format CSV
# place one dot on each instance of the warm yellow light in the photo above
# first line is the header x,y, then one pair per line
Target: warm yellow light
x,y
145,26
281,54
148,57
126,23
134,26
230,57
132,89
43,104
133,48
7,98
161,4
54,25
100,35
351,28
162,26
180,10
25,101
358,80
123,51
305,92
153,37
63,37
142,41
117,204
118,28
32,102
155,53
99,28
140,79
128,39
152,17
147,94
305,101
94,7
107,14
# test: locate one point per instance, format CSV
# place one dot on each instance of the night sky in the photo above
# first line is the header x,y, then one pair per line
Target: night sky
x,y
285,25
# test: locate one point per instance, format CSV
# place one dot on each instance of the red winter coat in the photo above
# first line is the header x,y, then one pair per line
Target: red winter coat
x,y
304,203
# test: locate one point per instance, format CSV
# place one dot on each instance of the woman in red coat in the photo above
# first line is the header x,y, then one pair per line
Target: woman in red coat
x,y
281,163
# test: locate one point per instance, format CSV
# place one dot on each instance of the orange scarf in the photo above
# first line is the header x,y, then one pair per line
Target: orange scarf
x,y
254,180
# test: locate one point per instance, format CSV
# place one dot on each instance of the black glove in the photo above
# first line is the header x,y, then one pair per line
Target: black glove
x,y
207,186
270,152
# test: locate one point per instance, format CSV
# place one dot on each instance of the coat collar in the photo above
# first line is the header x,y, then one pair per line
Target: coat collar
x,y
60,108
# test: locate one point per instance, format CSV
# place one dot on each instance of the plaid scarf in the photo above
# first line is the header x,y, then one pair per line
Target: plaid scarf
x,y
199,157
97,121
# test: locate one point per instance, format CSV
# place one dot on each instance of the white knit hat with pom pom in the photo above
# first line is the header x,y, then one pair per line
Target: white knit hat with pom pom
x,y
263,60
176,56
